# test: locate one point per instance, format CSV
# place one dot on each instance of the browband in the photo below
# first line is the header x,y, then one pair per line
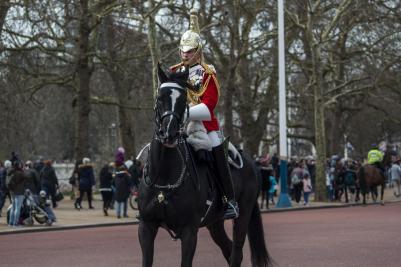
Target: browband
x,y
171,85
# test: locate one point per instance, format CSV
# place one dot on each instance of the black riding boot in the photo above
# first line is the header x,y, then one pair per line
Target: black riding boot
x,y
224,176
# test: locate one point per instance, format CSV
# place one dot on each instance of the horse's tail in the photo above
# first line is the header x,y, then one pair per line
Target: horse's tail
x,y
259,254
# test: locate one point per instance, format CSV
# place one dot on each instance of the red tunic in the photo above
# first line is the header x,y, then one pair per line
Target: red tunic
x,y
208,95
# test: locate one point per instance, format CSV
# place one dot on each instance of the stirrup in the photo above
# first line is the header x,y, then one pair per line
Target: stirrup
x,y
232,210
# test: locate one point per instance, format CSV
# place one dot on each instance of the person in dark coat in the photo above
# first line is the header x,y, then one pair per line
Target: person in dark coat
x,y
122,184
49,181
16,185
135,171
86,180
32,180
106,179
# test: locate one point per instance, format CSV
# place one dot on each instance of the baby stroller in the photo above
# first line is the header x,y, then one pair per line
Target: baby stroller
x,y
30,210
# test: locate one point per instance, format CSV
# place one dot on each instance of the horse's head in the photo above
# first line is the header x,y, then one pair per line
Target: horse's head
x,y
170,106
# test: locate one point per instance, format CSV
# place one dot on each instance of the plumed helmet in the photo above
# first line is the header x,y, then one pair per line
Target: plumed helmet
x,y
191,39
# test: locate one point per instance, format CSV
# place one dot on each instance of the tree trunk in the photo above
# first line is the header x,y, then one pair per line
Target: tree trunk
x,y
316,79
154,53
121,87
335,132
83,108
127,132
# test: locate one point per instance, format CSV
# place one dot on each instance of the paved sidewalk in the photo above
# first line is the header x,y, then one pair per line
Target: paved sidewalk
x,y
70,218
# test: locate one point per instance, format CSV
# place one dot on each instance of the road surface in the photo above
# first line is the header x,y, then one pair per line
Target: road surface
x,y
353,236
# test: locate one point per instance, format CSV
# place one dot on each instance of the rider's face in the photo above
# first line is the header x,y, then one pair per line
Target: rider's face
x,y
190,57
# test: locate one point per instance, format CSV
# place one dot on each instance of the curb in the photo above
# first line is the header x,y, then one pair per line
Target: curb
x,y
97,225
329,206
64,227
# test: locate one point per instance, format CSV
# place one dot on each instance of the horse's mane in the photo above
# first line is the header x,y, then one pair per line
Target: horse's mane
x,y
179,77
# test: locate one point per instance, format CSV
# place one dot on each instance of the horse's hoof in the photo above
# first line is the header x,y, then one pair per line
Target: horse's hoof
x,y
382,203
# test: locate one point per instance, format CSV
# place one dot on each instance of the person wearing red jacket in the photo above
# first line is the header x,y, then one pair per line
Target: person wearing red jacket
x,y
204,97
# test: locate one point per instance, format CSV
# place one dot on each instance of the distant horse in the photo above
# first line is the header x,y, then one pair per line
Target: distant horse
x,y
179,193
370,177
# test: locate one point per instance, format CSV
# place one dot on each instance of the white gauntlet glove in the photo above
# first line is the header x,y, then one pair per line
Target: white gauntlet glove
x,y
199,112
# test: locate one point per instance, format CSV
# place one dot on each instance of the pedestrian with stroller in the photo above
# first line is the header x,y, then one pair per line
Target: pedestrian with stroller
x,y
49,181
44,203
32,180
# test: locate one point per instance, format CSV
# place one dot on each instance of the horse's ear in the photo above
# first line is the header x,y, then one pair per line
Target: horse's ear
x,y
160,73
186,73
182,77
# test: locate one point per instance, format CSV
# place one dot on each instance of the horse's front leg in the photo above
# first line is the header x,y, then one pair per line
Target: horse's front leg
x,y
147,234
189,239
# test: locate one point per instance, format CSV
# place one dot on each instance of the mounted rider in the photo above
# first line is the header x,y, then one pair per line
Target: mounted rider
x,y
375,158
204,97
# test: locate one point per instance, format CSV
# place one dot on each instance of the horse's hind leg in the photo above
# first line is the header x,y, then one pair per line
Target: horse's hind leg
x,y
239,234
147,234
375,194
219,236
381,194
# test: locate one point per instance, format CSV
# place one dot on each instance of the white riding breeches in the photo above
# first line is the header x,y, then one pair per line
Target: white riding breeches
x,y
215,137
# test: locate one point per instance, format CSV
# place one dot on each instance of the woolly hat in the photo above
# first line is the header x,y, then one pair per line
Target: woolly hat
x,y
119,158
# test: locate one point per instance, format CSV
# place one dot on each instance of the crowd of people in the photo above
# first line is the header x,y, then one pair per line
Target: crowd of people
x,y
301,178
39,178
341,176
116,182
118,179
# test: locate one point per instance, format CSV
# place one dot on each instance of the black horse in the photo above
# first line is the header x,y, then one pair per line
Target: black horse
x,y
178,192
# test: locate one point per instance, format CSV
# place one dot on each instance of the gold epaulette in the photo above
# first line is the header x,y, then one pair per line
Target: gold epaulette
x,y
194,97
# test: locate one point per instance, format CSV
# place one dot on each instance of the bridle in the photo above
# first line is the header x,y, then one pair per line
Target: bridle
x,y
180,140
159,117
